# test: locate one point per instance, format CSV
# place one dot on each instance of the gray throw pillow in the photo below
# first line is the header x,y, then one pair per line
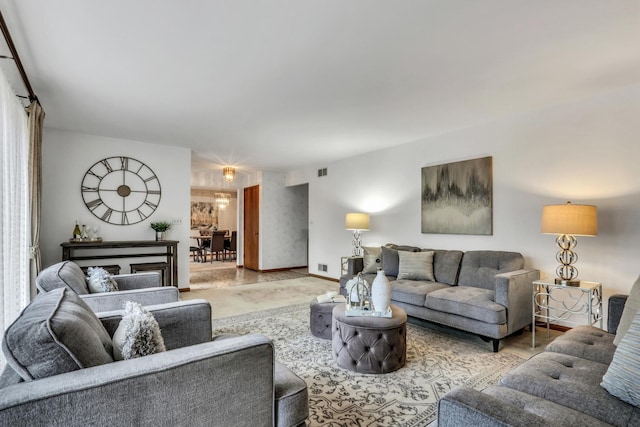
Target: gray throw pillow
x,y
631,307
390,261
622,378
99,280
65,273
372,259
416,265
138,334
56,333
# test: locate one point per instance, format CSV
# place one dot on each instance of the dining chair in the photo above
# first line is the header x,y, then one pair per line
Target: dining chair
x,y
216,246
230,245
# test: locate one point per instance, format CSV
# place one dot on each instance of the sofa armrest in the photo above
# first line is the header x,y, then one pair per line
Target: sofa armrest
x,y
463,406
614,311
227,383
127,282
108,301
182,323
514,290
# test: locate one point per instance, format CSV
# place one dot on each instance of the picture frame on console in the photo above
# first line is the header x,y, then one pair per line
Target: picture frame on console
x,y
457,198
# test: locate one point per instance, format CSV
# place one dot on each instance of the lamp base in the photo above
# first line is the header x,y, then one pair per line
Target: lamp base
x,y
560,281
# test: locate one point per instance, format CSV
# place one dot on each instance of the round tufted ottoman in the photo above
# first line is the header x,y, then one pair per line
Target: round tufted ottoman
x,y
369,345
320,318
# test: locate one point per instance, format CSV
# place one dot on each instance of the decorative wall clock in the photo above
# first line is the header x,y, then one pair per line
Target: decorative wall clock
x,y
121,190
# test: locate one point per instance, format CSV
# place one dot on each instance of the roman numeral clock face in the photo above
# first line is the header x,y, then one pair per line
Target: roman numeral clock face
x,y
121,190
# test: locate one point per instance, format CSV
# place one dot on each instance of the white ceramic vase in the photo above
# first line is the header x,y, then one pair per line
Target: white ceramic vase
x,y
381,292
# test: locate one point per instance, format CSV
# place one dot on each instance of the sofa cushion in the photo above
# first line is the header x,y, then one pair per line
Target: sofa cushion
x,y
474,303
416,266
446,265
478,268
413,291
586,342
631,307
56,333
571,382
291,396
372,259
554,413
623,376
137,335
65,273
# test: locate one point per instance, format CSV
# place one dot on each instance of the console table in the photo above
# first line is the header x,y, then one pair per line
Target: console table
x,y
170,252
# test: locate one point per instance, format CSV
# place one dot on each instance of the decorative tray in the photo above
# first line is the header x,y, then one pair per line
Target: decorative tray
x,y
366,312
93,239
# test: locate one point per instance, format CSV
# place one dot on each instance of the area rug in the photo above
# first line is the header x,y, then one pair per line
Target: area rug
x,y
436,363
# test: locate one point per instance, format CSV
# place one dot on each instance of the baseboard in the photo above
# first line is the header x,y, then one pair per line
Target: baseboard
x,y
553,326
184,289
331,279
275,270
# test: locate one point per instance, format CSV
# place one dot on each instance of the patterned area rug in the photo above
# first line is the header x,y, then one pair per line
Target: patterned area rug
x,y
436,363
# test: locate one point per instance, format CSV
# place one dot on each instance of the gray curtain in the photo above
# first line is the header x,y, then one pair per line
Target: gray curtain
x,y
36,120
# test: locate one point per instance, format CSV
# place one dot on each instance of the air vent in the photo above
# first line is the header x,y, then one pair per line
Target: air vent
x,y
322,267
322,172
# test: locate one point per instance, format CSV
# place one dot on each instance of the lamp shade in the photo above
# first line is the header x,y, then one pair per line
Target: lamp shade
x,y
576,220
356,221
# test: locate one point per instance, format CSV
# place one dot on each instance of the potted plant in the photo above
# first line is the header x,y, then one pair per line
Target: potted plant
x,y
160,228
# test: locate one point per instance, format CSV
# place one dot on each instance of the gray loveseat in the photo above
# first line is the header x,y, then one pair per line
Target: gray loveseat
x,y
559,387
483,292
60,372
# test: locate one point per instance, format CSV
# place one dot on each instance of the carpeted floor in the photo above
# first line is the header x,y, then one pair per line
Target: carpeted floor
x,y
436,363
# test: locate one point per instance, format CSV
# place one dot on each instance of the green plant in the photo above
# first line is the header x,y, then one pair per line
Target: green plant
x,y
161,226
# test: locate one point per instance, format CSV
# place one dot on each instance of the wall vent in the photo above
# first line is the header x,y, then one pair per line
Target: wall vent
x,y
322,172
322,267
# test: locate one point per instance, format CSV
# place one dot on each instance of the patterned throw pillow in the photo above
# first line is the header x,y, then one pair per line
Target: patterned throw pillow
x,y
99,280
622,378
138,334
631,307
416,265
372,259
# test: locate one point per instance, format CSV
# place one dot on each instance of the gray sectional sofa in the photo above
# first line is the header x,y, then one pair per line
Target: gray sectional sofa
x,y
559,387
483,292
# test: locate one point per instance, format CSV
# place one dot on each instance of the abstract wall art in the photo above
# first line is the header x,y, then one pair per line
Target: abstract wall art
x,y
457,198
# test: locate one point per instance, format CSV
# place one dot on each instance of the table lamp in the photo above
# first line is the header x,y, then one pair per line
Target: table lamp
x,y
358,222
568,221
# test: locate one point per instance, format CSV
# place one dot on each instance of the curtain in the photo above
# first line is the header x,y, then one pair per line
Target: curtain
x,y
36,119
14,223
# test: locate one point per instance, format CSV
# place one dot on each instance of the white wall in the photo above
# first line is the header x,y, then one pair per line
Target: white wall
x,y
586,152
283,223
66,158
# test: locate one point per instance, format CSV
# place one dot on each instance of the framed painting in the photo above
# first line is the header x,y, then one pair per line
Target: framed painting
x,y
457,198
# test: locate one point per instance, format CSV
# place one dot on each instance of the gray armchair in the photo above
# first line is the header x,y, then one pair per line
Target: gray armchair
x,y
196,382
143,288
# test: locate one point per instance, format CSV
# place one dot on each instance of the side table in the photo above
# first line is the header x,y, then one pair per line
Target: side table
x,y
553,302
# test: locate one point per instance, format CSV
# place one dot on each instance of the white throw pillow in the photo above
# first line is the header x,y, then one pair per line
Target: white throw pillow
x,y
631,307
138,334
99,280
416,265
622,378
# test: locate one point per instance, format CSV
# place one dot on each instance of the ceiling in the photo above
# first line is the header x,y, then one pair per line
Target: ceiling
x,y
282,84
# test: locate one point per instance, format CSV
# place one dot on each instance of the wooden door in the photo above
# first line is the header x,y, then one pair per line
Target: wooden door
x,y
251,227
